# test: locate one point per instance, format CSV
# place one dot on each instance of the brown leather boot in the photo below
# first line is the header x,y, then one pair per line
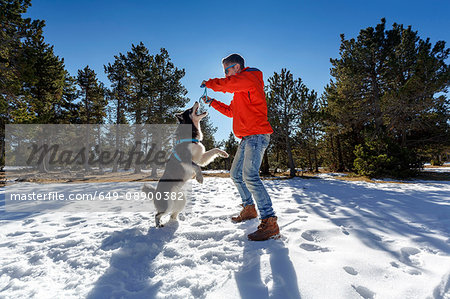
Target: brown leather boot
x,y
248,212
266,230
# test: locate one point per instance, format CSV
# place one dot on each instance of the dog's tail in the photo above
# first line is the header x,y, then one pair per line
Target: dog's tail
x,y
147,190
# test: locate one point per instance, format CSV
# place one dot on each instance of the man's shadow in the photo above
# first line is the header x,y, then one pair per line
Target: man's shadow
x,y
130,274
284,278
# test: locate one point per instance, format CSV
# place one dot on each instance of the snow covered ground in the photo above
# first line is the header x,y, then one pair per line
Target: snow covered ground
x,y
340,239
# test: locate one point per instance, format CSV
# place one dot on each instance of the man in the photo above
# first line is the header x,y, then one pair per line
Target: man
x,y
249,112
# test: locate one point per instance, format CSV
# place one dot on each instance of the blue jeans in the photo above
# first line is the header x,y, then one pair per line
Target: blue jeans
x,y
245,173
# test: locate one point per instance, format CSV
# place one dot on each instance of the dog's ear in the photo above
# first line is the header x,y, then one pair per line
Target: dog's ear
x,y
179,117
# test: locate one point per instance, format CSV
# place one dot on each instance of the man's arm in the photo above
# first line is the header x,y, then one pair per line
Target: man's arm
x,y
236,83
222,108
219,106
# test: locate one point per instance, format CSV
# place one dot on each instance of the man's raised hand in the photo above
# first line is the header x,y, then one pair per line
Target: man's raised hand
x,y
207,99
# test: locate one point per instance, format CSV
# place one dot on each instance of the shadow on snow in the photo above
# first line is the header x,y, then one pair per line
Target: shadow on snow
x,y
130,274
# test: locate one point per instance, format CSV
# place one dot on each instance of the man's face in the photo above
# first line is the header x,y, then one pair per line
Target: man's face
x,y
231,69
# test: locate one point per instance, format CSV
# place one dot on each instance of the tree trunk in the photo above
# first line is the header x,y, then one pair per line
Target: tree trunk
x,y
43,167
378,115
100,164
138,142
341,166
87,168
310,167
118,139
156,139
315,160
291,164
2,145
116,160
265,164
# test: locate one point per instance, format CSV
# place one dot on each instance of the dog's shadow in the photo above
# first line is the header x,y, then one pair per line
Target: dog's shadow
x,y
130,273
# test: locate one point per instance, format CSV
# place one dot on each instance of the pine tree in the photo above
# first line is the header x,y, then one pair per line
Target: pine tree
x,y
93,107
120,85
42,74
383,100
417,72
285,99
14,29
149,87
70,108
167,91
120,96
138,64
310,128
44,80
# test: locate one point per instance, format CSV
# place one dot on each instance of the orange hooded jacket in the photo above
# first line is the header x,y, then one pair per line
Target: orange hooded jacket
x,y
248,107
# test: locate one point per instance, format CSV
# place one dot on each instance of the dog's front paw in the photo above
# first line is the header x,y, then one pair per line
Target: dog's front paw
x,y
199,178
223,154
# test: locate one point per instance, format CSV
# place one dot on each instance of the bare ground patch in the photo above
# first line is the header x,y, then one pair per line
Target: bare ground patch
x,y
130,176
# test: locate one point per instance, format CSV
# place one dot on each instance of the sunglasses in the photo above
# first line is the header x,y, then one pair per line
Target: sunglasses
x,y
226,70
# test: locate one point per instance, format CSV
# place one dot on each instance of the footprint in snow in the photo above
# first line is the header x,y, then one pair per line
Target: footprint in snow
x,y
350,270
74,218
293,229
364,292
15,234
75,223
375,237
344,231
332,210
410,271
28,221
395,265
61,236
291,211
41,239
414,272
311,235
407,253
313,247
198,223
115,209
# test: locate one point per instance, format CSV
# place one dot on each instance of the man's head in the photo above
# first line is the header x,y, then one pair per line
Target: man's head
x,y
233,64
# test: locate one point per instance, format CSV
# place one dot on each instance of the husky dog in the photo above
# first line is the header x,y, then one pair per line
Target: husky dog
x,y
187,157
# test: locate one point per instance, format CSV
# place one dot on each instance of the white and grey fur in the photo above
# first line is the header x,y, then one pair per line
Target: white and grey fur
x,y
177,173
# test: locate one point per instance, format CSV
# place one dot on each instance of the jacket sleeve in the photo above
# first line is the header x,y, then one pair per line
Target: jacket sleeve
x,y
235,83
222,108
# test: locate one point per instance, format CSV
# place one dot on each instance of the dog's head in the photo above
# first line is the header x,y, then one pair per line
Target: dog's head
x,y
190,116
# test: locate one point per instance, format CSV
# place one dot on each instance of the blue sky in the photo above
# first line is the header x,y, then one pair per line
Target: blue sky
x,y
301,36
